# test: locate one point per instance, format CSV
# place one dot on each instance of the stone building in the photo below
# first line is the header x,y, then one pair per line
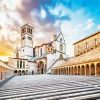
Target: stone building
x,y
86,60
39,59
6,71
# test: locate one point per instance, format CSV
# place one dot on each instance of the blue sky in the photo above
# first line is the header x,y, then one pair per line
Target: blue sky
x,y
76,18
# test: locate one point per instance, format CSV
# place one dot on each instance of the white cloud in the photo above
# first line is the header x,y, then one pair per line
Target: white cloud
x,y
98,26
89,24
59,10
43,13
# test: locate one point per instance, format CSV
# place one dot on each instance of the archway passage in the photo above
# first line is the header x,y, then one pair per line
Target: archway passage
x,y
75,70
32,72
98,69
15,72
87,70
82,70
92,69
78,70
41,68
23,72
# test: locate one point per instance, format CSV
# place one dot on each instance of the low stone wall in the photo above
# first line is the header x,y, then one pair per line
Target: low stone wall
x,y
2,82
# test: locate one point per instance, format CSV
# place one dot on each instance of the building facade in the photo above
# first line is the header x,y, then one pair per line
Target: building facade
x,y
39,59
86,60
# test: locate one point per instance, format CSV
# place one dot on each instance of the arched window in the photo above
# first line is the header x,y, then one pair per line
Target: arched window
x,y
60,39
17,64
61,47
20,63
23,64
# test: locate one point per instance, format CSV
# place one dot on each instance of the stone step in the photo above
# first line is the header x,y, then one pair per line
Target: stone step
x,y
57,95
40,90
52,93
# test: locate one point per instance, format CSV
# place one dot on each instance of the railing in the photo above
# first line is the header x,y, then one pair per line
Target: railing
x,y
51,65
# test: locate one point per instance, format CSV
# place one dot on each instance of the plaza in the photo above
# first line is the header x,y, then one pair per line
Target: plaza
x,y
51,87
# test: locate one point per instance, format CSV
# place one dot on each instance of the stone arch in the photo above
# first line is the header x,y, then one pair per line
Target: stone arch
x,y
15,72
72,70
32,72
69,70
23,72
26,72
61,70
87,69
82,70
92,69
41,68
75,70
19,72
78,70
64,71
58,71
98,69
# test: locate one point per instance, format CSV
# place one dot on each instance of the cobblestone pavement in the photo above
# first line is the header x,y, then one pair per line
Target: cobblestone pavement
x,y
51,87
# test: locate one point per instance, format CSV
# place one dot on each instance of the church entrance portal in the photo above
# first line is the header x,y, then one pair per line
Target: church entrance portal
x,y
41,68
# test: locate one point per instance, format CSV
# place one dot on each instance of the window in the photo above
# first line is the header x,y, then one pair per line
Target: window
x,y
28,30
23,64
95,41
61,47
60,39
23,38
29,38
17,64
31,31
41,51
86,45
20,64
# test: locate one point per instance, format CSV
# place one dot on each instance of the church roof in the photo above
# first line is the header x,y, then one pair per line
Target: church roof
x,y
62,36
44,44
26,25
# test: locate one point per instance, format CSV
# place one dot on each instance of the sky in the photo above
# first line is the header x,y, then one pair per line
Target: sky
x,y
76,19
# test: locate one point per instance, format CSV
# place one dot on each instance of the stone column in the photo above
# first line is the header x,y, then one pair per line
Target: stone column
x,y
95,70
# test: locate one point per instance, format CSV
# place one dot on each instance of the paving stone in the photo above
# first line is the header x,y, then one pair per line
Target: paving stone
x,y
51,87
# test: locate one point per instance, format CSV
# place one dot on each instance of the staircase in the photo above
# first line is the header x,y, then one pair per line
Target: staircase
x,y
51,87
51,65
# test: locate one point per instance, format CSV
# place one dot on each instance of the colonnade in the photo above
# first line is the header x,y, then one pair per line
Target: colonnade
x,y
5,72
81,69
21,72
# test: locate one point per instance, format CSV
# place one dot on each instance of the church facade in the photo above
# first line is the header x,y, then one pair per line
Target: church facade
x,y
39,59
86,60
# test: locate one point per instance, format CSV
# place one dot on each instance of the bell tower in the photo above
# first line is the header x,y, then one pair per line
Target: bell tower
x,y
26,41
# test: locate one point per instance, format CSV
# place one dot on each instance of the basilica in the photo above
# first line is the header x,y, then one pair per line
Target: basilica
x,y
39,59
50,58
86,60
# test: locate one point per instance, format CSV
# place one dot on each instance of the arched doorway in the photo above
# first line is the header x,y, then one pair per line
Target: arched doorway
x,y
32,72
15,72
92,69
41,68
98,69
87,70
